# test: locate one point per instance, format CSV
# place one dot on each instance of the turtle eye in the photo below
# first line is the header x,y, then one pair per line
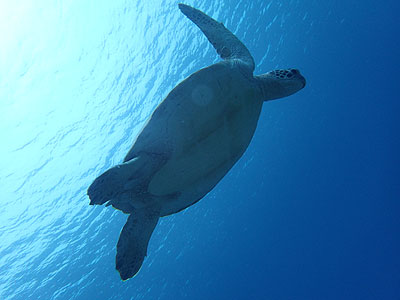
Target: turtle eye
x,y
294,71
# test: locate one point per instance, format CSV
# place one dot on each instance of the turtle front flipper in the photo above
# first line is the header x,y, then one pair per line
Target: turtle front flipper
x,y
133,241
228,46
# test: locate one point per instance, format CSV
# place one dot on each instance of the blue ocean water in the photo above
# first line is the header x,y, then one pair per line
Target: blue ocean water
x,y
311,211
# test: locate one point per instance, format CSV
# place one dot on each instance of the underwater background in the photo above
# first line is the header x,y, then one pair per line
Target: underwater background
x,y
312,209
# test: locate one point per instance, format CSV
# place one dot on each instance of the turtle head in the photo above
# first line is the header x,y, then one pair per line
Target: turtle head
x,y
280,83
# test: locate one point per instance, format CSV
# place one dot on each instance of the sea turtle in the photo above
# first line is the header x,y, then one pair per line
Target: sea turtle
x,y
192,139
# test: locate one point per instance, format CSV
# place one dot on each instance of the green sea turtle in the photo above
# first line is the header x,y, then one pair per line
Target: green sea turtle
x,y
192,139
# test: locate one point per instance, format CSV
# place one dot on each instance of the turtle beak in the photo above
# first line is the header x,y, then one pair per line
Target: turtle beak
x,y
303,80
298,75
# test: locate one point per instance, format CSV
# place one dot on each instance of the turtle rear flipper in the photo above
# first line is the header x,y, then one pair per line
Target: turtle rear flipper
x,y
131,177
133,241
111,183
